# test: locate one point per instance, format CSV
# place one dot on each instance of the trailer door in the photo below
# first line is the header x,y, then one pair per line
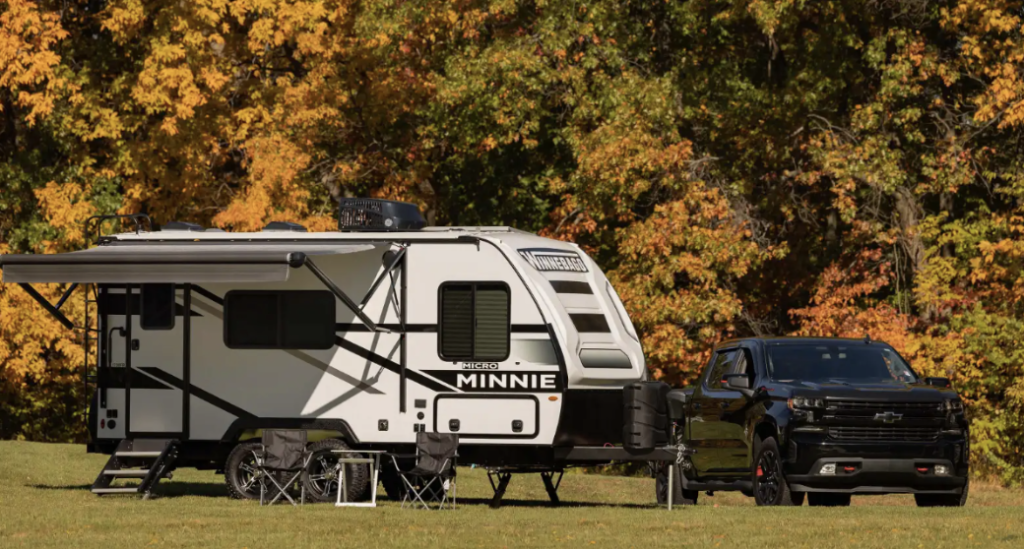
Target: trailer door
x,y
150,356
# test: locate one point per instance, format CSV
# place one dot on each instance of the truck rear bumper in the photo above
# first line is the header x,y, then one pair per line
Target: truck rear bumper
x,y
880,476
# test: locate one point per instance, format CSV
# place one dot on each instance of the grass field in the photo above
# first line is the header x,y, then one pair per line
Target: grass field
x,y
45,502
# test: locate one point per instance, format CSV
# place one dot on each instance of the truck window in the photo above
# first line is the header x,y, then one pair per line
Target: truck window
x,y
474,321
157,311
837,363
723,361
296,319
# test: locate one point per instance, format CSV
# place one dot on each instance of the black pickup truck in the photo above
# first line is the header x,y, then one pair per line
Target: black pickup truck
x,y
781,418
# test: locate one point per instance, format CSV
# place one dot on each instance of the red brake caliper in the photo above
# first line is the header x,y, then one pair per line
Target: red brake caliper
x,y
760,473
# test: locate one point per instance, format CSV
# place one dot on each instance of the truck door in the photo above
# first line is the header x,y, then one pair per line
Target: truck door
x,y
717,419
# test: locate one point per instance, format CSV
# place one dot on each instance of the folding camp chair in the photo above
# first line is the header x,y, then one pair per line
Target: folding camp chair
x,y
282,462
433,476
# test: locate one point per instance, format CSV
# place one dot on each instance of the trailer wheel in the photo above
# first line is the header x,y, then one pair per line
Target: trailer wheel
x,y
322,480
679,496
391,480
240,472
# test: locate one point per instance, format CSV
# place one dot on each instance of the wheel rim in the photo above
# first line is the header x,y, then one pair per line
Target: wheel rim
x,y
767,477
250,478
323,475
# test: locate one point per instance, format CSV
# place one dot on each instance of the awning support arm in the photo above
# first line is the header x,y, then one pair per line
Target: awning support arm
x,y
66,295
380,278
46,304
342,296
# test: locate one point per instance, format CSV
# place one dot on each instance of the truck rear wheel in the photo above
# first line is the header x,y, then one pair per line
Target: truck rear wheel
x,y
679,496
767,478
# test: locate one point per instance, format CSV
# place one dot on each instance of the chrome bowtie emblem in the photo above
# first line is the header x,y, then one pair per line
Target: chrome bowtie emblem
x,y
888,417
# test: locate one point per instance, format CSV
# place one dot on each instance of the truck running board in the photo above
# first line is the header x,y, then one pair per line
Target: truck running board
x,y
148,460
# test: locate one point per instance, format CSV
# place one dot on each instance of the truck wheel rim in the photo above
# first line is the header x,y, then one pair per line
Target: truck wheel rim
x,y
768,480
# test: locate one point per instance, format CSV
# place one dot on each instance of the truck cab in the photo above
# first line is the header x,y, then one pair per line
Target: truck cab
x,y
784,419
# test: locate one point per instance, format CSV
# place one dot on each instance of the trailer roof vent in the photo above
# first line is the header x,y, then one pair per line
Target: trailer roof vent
x,y
286,226
371,214
182,226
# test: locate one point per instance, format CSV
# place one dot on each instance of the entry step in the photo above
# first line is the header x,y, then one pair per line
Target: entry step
x,y
126,472
134,454
132,490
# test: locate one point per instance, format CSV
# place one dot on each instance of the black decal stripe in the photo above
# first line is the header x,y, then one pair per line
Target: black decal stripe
x,y
114,378
432,328
197,392
391,365
571,287
208,294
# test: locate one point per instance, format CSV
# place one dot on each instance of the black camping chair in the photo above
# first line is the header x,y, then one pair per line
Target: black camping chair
x,y
282,462
433,476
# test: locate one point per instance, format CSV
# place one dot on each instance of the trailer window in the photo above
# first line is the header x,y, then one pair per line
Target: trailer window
x,y
298,319
157,311
474,321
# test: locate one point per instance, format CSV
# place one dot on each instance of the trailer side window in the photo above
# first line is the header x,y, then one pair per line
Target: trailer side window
x,y
298,319
474,321
157,311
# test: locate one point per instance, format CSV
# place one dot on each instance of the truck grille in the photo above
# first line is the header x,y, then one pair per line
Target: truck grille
x,y
905,408
893,434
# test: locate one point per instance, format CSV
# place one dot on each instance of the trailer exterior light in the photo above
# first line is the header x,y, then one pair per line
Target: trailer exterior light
x,y
828,469
941,470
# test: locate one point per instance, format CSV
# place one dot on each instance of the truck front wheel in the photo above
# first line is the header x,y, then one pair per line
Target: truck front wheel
x,y
769,482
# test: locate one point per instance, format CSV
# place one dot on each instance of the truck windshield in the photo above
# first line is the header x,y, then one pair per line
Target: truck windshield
x,y
844,363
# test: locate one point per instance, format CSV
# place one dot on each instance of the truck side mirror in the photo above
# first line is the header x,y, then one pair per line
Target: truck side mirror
x,y
739,382
937,381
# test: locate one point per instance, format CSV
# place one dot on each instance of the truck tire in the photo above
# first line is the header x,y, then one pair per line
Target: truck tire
x,y
679,496
240,473
322,481
828,499
767,476
943,500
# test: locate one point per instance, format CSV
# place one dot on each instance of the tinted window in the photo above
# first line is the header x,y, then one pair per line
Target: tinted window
x,y
589,322
157,307
474,321
279,320
858,363
722,362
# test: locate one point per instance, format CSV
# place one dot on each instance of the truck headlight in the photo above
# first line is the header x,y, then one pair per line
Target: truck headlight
x,y
956,406
805,403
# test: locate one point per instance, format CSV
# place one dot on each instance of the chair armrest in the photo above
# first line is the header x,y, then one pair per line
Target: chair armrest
x,y
402,456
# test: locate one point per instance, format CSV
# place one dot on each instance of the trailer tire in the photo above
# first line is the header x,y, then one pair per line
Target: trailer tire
x,y
239,473
679,495
391,480
321,481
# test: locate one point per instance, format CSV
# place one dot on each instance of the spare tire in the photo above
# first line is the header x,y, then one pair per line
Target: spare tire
x,y
322,479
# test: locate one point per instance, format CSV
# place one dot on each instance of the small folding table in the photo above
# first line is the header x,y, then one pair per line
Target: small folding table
x,y
357,457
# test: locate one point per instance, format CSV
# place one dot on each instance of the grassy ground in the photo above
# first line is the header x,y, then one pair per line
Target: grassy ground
x,y
45,502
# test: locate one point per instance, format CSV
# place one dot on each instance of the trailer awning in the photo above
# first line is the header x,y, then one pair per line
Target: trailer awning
x,y
164,263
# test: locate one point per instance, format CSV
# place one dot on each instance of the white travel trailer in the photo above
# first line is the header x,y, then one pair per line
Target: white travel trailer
x,y
365,336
